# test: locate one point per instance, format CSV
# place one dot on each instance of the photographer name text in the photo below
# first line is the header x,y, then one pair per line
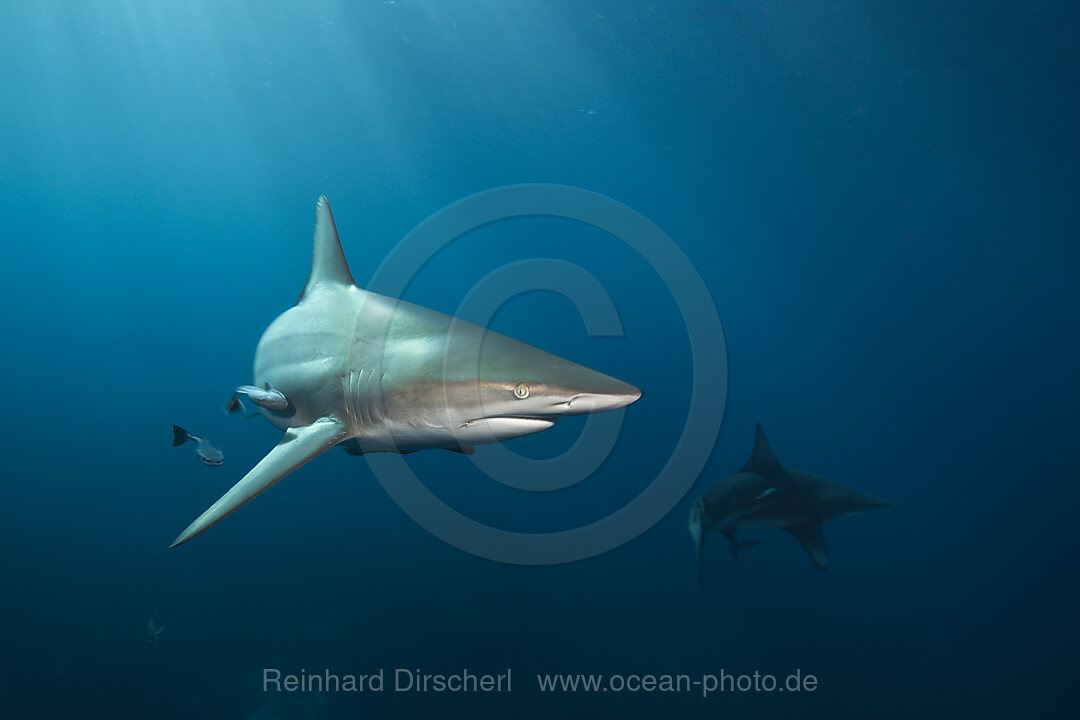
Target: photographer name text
x,y
383,679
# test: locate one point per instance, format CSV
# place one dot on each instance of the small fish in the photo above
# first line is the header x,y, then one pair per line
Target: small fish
x,y
206,452
153,632
269,398
234,405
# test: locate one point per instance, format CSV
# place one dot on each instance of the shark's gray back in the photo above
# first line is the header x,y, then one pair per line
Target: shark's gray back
x,y
833,499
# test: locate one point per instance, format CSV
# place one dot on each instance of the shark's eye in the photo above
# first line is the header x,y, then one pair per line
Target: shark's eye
x,y
521,391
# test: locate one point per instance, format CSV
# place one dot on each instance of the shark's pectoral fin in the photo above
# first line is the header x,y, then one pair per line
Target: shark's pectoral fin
x,y
299,445
812,537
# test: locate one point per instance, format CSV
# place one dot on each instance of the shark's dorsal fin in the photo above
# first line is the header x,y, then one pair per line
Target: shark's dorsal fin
x,y
328,266
812,538
762,461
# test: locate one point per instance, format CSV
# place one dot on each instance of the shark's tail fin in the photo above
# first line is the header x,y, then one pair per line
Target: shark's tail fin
x,y
179,435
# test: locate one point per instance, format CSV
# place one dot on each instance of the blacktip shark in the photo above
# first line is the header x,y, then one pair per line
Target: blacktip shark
x,y
384,375
766,494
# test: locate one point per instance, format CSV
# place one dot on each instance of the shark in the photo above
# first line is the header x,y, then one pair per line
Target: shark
x,y
378,374
768,494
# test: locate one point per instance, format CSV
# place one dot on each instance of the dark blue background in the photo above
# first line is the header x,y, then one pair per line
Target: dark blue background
x,y
880,196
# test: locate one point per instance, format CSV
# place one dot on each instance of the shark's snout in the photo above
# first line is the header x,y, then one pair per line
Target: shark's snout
x,y
592,402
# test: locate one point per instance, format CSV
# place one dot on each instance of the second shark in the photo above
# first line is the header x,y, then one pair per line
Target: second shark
x,y
767,494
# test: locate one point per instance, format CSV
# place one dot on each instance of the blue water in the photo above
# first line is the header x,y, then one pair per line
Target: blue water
x,y
880,198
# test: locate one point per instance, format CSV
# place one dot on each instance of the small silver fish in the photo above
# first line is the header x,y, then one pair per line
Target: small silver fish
x,y
206,452
153,632
270,398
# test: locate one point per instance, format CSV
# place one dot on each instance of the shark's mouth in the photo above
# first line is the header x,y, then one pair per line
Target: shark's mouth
x,y
493,429
508,420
